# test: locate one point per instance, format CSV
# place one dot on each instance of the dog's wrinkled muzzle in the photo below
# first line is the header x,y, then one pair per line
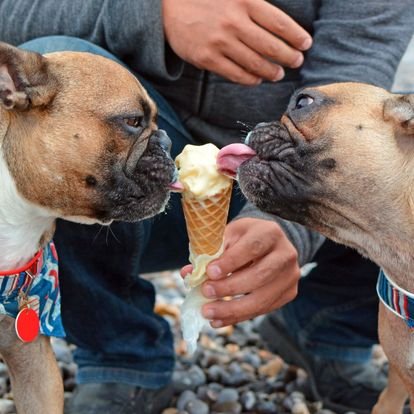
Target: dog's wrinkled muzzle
x,y
159,137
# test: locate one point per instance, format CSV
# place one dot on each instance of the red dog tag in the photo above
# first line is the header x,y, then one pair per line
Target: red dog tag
x,y
27,325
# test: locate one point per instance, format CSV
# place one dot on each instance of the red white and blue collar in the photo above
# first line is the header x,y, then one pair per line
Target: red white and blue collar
x,y
397,300
39,282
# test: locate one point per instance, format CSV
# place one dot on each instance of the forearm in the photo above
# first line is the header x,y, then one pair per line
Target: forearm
x,y
306,241
130,29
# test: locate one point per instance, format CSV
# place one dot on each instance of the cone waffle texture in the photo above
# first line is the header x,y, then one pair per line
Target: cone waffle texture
x,y
206,221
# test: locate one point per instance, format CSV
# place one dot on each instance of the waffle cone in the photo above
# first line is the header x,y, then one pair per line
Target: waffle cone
x,y
206,221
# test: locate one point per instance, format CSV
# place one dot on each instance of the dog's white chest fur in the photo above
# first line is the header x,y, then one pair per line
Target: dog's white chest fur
x,y
22,224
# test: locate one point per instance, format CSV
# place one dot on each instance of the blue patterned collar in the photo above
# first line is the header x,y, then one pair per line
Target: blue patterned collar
x,y
396,299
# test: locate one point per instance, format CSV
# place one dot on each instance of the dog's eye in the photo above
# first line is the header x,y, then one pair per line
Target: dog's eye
x,y
134,122
303,100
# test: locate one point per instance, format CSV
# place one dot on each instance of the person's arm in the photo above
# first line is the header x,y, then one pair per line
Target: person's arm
x,y
360,41
130,29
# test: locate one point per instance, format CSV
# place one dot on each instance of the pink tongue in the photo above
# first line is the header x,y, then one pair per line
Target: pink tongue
x,y
176,187
232,156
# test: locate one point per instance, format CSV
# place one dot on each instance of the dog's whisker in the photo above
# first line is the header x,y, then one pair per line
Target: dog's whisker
x,y
97,234
246,125
109,230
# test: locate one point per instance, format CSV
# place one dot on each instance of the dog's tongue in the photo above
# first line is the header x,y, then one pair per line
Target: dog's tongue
x,y
176,187
231,157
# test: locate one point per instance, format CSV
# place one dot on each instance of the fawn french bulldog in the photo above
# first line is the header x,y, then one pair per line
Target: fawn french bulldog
x,y
341,161
78,141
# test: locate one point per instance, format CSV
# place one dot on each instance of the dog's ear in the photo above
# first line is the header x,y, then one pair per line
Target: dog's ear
x,y
400,110
25,80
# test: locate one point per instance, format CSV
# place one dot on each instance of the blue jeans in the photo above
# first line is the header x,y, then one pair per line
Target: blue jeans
x,y
335,314
107,308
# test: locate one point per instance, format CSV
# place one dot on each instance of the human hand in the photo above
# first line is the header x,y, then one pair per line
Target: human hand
x,y
244,41
264,269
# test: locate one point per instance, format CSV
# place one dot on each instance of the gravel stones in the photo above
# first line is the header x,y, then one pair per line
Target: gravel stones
x,y
231,372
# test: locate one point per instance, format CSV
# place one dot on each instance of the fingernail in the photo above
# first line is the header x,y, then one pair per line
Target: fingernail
x,y
208,313
280,75
209,291
214,272
306,44
217,324
298,62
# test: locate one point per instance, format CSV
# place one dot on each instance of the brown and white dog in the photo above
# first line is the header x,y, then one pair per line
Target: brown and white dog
x,y
79,141
341,161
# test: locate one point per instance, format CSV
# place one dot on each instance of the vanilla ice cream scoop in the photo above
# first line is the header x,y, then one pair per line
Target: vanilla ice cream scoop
x,y
197,165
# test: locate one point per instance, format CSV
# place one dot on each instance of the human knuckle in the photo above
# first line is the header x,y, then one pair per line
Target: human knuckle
x,y
279,26
204,56
273,230
217,41
292,256
271,50
257,246
264,274
256,65
228,23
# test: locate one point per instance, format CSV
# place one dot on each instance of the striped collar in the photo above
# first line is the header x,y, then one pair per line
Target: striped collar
x,y
397,300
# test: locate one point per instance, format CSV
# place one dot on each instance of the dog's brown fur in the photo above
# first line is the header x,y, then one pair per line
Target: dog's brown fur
x,y
67,143
351,166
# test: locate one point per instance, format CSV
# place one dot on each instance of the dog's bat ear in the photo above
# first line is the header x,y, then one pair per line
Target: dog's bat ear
x,y
25,80
400,110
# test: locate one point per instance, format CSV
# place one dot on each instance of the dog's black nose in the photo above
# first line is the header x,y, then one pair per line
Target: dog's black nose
x,y
161,138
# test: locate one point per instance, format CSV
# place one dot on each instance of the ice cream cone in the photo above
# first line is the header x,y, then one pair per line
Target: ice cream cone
x,y
205,200
206,221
